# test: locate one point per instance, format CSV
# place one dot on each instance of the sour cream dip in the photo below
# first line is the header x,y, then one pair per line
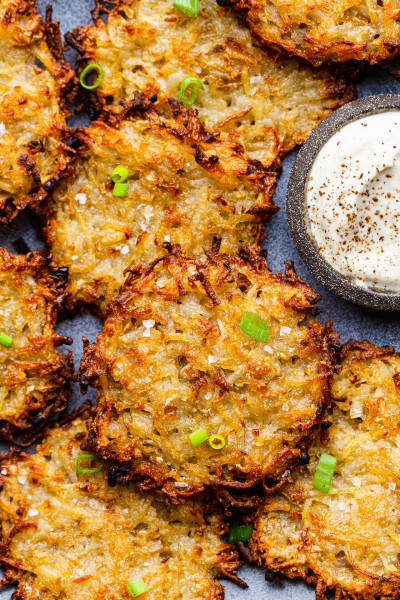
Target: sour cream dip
x,y
352,198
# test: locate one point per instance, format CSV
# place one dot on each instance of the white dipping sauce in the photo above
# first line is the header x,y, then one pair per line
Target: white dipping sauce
x,y
353,201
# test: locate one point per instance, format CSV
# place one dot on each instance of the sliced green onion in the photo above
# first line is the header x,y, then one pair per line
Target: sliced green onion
x,y
198,437
5,340
255,327
137,587
216,441
240,533
324,473
196,85
86,71
81,471
120,189
188,7
120,174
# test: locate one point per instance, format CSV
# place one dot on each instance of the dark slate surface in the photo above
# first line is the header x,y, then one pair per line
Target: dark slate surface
x,y
351,320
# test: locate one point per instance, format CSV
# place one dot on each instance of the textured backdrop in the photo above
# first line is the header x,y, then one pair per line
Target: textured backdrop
x,y
351,320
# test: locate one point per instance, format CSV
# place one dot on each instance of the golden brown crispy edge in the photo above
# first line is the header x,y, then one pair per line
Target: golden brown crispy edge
x,y
241,494
54,400
338,87
229,560
184,124
66,88
382,588
341,51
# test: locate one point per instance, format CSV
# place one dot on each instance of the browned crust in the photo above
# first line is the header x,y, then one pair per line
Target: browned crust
x,y
338,87
360,350
379,587
184,125
55,398
67,82
317,54
77,39
229,559
66,86
13,568
152,477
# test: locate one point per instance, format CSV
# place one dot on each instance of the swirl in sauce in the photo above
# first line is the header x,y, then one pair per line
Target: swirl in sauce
x,y
353,201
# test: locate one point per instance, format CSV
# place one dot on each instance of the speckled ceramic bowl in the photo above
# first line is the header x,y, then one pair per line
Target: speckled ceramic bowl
x,y
296,210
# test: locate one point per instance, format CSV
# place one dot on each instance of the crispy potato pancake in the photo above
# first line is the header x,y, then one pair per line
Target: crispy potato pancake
x,y
346,540
33,374
327,30
150,46
33,79
185,186
72,536
172,359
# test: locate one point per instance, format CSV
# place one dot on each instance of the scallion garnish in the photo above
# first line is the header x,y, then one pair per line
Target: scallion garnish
x,y
188,7
216,441
119,174
5,340
120,189
81,471
86,71
240,533
324,473
137,587
255,327
198,437
196,85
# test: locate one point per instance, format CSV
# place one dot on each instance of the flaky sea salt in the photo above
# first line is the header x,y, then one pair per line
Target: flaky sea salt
x,y
148,324
81,198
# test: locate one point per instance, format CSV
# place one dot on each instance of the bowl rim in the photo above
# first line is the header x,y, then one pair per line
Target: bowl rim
x,y
296,210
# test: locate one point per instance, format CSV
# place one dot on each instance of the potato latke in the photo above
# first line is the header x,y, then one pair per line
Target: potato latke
x,y
172,359
33,80
33,374
150,46
72,536
327,30
348,539
185,185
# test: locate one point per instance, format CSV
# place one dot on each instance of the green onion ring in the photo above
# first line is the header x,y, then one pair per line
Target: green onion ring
x,y
86,71
136,587
81,471
188,7
198,437
217,442
185,83
255,327
119,174
120,189
240,533
5,340
324,473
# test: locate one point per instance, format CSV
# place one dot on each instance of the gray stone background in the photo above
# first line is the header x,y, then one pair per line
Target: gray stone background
x,y
351,320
